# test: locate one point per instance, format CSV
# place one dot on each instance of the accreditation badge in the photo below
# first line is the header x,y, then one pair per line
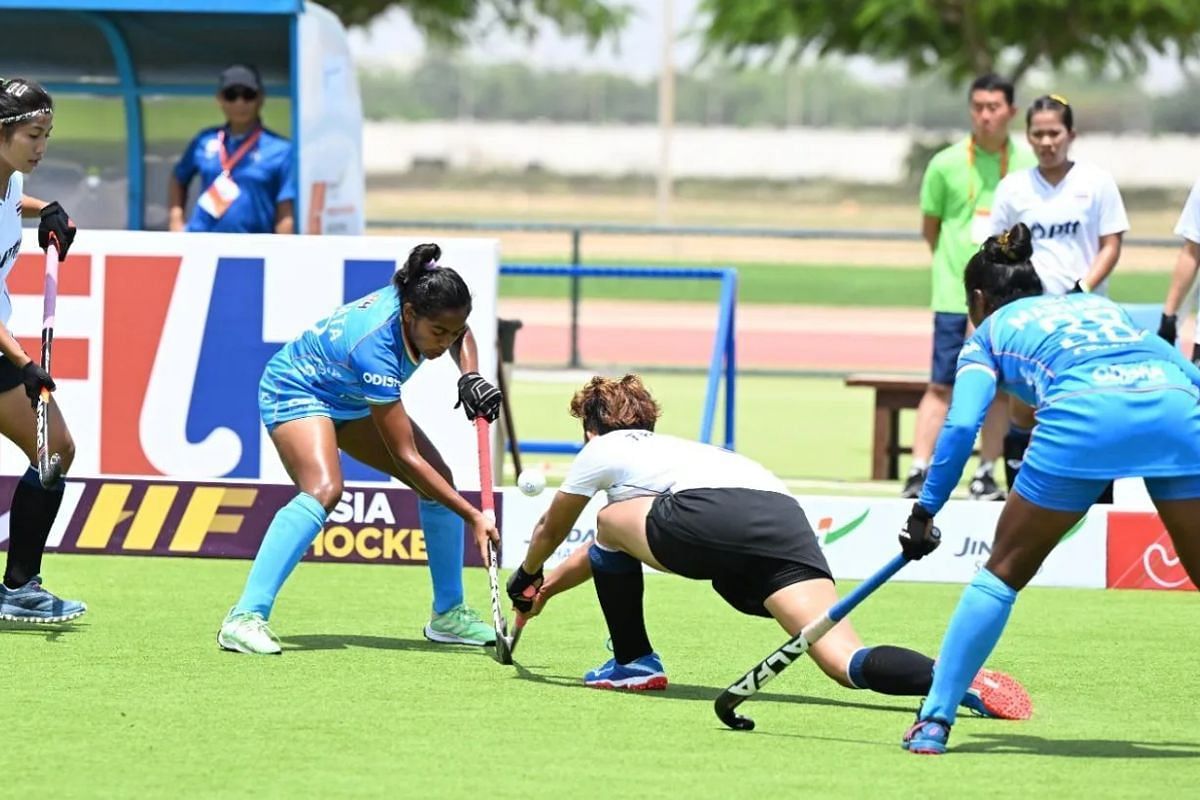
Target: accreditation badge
x,y
981,226
217,198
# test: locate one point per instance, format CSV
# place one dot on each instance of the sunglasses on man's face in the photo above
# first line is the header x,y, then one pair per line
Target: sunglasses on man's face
x,y
239,92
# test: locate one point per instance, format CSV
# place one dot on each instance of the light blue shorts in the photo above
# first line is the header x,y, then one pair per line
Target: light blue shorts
x,y
1060,493
281,400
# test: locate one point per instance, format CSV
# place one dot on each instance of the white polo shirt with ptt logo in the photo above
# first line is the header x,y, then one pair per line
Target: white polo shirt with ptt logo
x,y
1067,220
10,238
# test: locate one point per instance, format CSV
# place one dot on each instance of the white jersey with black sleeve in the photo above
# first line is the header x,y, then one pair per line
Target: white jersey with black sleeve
x,y
639,463
10,238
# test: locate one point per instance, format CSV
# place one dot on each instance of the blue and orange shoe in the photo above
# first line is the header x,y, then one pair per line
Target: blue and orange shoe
x,y
927,737
996,694
641,674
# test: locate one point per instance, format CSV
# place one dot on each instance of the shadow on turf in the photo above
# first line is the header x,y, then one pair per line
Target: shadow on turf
x,y
707,694
339,641
1021,744
52,632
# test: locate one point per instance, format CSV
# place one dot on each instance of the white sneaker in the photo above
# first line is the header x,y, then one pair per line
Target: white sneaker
x,y
247,632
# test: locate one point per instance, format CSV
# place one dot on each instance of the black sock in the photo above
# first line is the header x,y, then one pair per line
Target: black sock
x,y
1016,442
619,587
33,511
891,670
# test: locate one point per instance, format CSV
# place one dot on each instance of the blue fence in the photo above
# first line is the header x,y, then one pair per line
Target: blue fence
x,y
724,355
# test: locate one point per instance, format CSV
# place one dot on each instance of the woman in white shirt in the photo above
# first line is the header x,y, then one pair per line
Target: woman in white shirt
x,y
707,514
1074,209
1077,217
26,117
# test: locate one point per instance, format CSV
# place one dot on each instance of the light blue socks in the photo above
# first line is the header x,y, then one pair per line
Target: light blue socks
x,y
973,633
288,538
444,545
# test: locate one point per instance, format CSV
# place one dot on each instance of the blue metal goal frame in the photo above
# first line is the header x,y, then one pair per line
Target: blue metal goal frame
x,y
724,354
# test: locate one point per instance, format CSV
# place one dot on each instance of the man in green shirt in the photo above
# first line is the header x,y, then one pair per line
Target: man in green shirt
x,y
956,196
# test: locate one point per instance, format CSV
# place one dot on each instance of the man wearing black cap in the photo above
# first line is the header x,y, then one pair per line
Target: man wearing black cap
x,y
247,175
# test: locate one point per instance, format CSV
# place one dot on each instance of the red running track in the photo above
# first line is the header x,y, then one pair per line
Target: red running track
x,y
668,334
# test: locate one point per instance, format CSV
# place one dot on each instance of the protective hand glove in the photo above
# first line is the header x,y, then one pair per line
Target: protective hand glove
x,y
34,378
56,223
523,587
478,398
1168,328
918,537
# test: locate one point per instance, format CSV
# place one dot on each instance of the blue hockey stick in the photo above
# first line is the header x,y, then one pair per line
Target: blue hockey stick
x,y
796,647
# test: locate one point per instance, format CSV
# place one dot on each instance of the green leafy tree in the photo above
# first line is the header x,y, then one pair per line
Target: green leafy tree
x,y
452,21
959,38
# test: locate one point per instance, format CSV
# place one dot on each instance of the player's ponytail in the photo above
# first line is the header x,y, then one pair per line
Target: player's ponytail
x,y
22,100
1002,269
607,405
429,287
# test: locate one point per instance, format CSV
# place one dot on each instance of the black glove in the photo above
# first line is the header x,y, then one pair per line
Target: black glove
x,y
519,585
34,378
56,223
919,537
1168,328
478,398
1077,289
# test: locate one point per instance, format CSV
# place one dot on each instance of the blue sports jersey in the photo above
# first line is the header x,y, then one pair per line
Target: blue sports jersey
x,y
266,176
1111,400
352,359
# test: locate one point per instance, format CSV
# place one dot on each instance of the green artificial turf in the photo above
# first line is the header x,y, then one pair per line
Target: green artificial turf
x,y
135,700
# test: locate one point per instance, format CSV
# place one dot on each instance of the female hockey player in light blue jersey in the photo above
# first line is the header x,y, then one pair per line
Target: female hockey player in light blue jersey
x,y
1110,401
338,387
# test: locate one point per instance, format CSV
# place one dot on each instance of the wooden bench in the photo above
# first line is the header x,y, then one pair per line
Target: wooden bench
x,y
893,394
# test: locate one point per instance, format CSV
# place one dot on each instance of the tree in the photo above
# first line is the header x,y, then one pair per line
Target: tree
x,y
451,21
961,38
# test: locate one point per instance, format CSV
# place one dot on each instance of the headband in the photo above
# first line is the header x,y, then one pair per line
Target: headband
x,y
15,118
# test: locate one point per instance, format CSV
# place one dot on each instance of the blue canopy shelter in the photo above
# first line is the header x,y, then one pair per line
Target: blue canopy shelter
x,y
134,80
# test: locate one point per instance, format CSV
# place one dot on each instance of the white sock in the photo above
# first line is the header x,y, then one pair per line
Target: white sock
x,y
920,463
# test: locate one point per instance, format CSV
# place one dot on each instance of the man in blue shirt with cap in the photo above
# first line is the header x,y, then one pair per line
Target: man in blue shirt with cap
x,y
247,175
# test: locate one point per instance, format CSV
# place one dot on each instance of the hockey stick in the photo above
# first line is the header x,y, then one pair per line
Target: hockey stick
x,y
49,464
488,503
728,701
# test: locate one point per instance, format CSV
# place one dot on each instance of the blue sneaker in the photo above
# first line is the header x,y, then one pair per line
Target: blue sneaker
x,y
640,674
927,737
33,603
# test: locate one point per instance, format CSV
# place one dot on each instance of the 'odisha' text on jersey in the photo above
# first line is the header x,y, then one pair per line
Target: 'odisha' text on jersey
x,y
354,357
1043,348
640,463
10,238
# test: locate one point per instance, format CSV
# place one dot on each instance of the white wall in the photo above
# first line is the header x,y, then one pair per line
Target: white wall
x,y
872,156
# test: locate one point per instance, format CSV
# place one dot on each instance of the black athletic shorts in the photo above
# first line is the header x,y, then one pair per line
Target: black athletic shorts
x,y
750,543
10,376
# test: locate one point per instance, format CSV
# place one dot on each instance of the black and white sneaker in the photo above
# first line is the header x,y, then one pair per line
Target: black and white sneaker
x,y
914,483
984,487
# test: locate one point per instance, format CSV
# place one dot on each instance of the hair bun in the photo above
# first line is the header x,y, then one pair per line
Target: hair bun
x,y
423,257
1014,246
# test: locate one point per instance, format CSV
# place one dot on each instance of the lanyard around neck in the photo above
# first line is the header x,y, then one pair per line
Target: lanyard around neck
x,y
971,167
227,162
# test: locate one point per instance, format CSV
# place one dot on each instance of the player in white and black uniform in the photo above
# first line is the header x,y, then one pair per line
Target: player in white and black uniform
x,y
1077,217
707,514
1187,264
26,117
1074,209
